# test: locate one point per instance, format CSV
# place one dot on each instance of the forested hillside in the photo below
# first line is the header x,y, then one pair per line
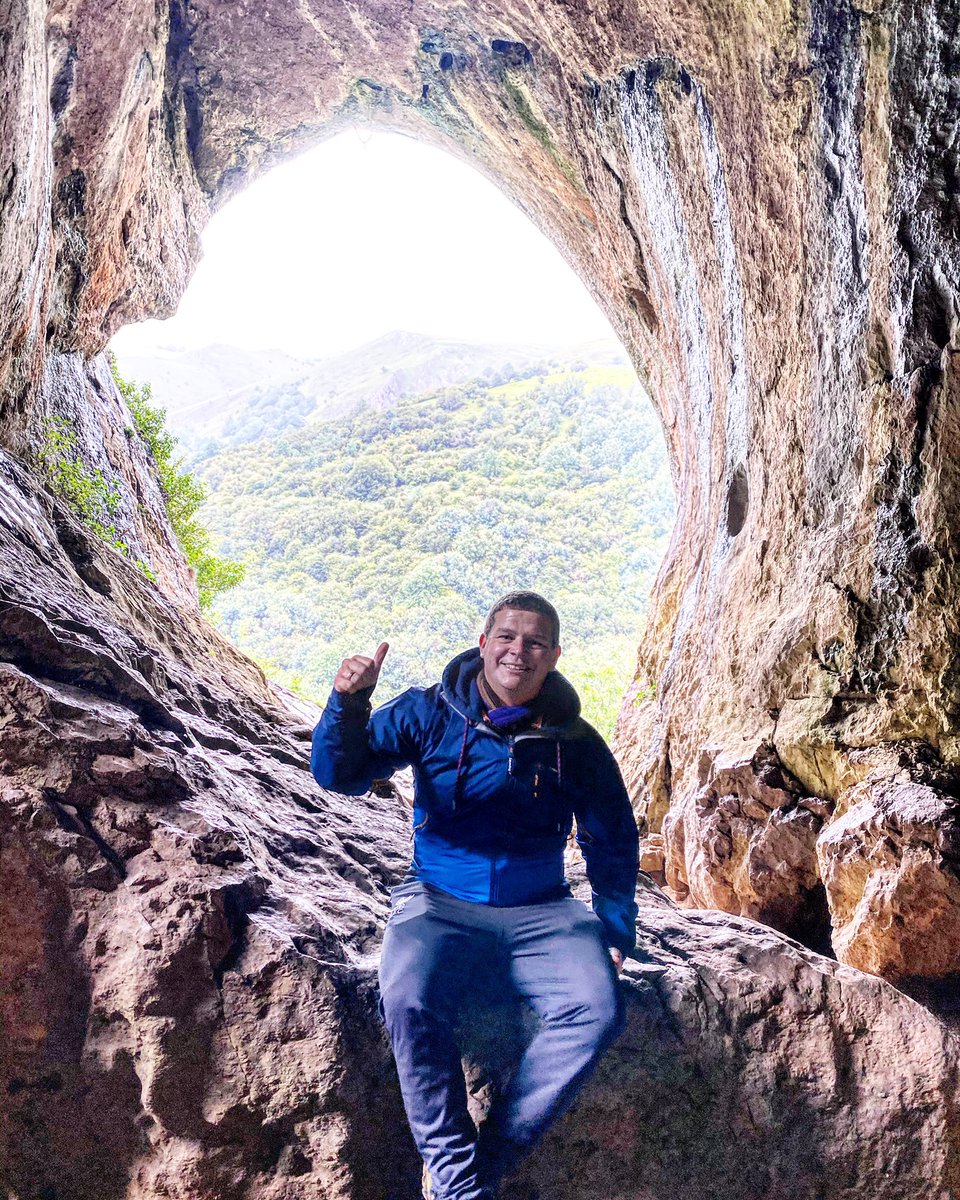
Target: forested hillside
x,y
225,395
406,524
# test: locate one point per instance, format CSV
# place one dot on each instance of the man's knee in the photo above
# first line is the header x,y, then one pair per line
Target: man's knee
x,y
403,993
598,1011
608,1013
413,993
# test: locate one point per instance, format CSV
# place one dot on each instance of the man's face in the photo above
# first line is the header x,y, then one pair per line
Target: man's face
x,y
518,654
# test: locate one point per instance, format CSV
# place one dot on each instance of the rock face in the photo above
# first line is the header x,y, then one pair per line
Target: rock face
x,y
765,204
752,834
691,1117
891,864
189,930
187,926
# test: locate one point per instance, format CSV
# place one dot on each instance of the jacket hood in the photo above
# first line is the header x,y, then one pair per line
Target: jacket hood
x,y
558,701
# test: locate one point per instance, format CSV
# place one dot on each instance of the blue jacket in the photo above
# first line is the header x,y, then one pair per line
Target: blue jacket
x,y
492,811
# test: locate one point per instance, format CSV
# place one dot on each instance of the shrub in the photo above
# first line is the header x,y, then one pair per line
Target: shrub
x,y
371,477
182,493
93,498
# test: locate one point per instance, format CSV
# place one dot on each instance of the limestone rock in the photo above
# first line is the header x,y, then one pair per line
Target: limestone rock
x,y
85,400
652,857
188,940
890,861
746,843
764,204
187,925
716,1004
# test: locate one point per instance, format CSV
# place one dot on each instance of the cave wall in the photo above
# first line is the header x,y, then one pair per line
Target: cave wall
x,y
765,207
764,203
809,608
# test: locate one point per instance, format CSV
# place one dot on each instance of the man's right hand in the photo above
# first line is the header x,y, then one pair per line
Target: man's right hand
x,y
360,672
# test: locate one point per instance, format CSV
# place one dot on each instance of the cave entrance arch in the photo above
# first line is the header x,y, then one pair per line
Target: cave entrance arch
x,y
618,152
755,207
540,463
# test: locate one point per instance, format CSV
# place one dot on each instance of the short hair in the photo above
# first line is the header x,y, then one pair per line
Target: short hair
x,y
526,602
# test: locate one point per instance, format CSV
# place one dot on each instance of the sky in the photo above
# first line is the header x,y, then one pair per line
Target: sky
x,y
367,233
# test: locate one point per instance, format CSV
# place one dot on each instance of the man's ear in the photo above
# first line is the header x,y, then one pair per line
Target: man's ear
x,y
483,640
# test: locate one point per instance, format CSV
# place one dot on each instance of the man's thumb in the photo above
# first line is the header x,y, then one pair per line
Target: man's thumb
x,y
381,654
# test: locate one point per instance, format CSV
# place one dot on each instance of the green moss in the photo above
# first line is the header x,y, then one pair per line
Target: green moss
x,y
525,112
93,498
536,127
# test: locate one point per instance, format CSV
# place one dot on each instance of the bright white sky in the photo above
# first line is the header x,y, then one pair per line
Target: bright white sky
x,y
368,233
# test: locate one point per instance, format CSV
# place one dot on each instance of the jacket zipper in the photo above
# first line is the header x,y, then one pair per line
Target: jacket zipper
x,y
511,740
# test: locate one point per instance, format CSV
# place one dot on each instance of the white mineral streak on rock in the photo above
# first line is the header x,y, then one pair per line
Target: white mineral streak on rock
x,y
676,285
25,516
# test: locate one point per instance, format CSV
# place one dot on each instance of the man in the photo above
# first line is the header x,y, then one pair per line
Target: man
x,y
502,763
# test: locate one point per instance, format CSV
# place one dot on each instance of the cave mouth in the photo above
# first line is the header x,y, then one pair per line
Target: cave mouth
x,y
394,490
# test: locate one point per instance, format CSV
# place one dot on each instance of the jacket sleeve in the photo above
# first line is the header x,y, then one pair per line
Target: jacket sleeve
x,y
607,836
352,747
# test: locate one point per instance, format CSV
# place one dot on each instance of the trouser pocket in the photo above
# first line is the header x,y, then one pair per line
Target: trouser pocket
x,y
407,900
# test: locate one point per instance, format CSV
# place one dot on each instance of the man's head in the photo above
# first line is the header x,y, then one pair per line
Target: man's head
x,y
520,645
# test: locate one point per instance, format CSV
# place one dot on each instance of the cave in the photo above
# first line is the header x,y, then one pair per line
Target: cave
x,y
764,203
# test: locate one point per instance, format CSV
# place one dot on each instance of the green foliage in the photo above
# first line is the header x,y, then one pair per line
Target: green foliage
x,y
183,494
216,575
93,498
601,670
370,477
406,524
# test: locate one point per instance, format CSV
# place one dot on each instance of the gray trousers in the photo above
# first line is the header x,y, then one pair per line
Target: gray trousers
x,y
554,957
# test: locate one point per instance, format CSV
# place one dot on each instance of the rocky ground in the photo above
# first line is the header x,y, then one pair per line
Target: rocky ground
x,y
189,932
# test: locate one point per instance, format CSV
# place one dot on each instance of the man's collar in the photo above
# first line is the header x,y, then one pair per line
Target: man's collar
x,y
487,694
530,712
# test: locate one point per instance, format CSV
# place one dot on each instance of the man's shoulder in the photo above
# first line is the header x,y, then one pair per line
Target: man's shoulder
x,y
585,746
581,731
416,702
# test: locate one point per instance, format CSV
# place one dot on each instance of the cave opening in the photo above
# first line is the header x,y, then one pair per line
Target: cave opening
x,y
401,410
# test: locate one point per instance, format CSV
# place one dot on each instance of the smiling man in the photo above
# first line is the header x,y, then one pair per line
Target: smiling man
x,y
503,764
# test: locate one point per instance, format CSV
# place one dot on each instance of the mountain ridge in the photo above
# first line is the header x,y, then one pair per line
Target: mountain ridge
x,y
241,395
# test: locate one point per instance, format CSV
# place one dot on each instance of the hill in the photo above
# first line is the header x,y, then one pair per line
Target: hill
x,y
222,394
200,388
406,522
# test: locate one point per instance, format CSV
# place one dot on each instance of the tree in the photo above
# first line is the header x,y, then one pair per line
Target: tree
x,y
370,477
182,493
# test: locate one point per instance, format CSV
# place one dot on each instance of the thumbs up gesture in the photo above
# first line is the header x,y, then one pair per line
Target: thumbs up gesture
x,y
359,672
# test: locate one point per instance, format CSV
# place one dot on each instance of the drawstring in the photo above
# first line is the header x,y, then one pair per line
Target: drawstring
x,y
463,754
510,764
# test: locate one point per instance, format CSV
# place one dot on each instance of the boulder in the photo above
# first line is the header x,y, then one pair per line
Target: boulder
x,y
890,862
